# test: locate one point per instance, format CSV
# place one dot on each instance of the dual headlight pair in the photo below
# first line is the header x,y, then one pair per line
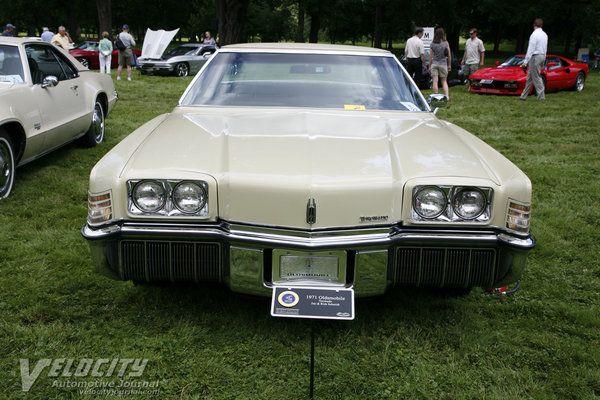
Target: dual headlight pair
x,y
451,203
168,197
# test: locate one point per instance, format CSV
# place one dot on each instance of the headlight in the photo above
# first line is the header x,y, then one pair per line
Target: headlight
x,y
149,196
430,202
168,198
469,203
189,197
445,203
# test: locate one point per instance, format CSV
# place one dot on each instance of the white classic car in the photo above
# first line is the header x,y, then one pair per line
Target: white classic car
x,y
47,99
294,165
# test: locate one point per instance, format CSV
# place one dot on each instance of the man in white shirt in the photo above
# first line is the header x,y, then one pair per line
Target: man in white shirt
x,y
535,58
415,56
474,54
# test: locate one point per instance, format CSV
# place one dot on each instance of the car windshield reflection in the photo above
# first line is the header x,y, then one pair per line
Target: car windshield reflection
x,y
514,61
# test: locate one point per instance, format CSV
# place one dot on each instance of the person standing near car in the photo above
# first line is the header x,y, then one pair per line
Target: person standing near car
x,y
415,56
208,39
439,61
105,49
9,30
535,59
474,54
62,39
47,35
125,53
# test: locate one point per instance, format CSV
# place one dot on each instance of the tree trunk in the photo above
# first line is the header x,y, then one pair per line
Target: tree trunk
x,y
315,23
104,17
300,29
231,15
378,25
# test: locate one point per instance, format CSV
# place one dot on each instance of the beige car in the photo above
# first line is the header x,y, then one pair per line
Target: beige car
x,y
294,165
48,100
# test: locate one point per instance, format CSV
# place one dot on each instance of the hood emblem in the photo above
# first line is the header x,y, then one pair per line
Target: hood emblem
x,y
311,211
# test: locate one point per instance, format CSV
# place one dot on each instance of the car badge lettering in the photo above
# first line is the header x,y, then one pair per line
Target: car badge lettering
x,y
311,211
288,298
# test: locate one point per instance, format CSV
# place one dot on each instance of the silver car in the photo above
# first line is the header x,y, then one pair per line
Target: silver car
x,y
182,60
47,99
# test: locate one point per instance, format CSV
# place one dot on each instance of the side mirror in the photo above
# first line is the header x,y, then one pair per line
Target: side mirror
x,y
497,63
436,101
50,80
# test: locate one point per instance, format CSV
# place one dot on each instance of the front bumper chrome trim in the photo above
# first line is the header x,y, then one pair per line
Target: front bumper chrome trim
x,y
279,237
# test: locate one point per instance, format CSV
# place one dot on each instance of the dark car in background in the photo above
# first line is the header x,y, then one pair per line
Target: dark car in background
x,y
424,81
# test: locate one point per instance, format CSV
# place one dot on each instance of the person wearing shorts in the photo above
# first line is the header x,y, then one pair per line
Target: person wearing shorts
x,y
126,55
439,61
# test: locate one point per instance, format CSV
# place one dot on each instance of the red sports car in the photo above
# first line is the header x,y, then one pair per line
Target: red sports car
x,y
558,73
88,52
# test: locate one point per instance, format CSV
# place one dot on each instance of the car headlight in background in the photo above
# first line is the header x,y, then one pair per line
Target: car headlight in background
x,y
149,196
429,202
451,203
168,197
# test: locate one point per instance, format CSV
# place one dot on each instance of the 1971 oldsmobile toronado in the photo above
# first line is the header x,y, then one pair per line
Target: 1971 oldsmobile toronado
x,y
47,99
294,165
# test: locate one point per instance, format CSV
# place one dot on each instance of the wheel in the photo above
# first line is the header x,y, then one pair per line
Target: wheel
x,y
579,82
7,165
84,61
182,69
95,133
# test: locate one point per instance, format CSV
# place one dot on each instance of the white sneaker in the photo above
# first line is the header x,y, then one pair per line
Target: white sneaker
x,y
118,78
128,79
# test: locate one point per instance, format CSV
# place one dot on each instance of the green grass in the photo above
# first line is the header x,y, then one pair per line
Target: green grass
x,y
206,342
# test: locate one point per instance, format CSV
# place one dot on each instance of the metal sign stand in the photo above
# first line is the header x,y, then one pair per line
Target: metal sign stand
x,y
312,360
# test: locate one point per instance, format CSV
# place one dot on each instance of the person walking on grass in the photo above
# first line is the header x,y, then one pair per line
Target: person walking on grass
x,y
535,59
439,61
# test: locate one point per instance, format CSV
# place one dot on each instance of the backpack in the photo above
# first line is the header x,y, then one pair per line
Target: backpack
x,y
119,43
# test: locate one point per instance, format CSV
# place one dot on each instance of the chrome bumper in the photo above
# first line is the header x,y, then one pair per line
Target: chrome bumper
x,y
245,253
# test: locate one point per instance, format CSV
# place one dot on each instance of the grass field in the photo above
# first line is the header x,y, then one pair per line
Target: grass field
x,y
204,342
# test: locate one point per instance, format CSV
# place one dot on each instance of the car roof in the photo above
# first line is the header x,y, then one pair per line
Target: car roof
x,y
18,40
305,48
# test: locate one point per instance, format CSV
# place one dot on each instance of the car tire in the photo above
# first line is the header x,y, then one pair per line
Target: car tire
x,y
7,165
182,69
579,82
84,61
95,133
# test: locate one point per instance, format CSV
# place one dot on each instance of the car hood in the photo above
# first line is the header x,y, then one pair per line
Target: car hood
x,y
268,164
503,73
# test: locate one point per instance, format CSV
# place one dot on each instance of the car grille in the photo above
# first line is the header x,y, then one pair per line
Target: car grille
x,y
496,84
445,267
170,261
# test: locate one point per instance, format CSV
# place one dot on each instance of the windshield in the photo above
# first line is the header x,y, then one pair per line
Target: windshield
x,y
514,61
304,80
182,50
89,46
11,68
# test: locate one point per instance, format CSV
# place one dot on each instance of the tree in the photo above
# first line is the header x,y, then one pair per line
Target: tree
x,y
231,15
104,16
